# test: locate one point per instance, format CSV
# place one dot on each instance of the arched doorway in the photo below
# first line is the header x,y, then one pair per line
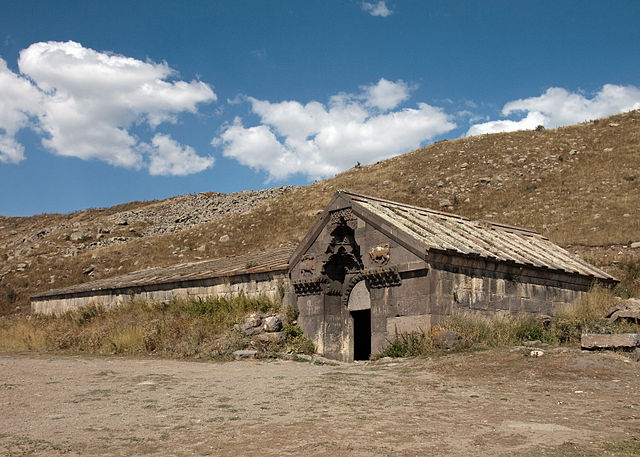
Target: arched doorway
x,y
359,306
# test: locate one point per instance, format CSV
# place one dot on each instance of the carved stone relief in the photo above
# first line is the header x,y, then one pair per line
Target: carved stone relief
x,y
307,265
380,254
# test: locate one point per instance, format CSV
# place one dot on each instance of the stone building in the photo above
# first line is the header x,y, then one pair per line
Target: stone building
x,y
370,268
255,274
367,269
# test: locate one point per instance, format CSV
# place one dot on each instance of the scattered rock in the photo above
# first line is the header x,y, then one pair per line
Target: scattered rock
x,y
80,235
245,354
224,238
605,341
444,202
275,337
536,353
625,310
485,180
122,222
272,324
385,183
446,340
254,320
464,165
613,124
635,245
89,270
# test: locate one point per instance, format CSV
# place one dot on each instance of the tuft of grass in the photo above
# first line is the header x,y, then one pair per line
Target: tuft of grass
x,y
296,340
409,345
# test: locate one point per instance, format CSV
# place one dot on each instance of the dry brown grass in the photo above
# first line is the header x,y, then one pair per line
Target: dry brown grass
x,y
178,328
480,331
587,201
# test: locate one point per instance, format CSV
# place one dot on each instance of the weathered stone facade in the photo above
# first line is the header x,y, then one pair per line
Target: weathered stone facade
x,y
261,274
360,278
273,285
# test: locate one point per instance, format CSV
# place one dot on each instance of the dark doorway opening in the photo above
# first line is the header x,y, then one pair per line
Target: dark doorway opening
x,y
361,334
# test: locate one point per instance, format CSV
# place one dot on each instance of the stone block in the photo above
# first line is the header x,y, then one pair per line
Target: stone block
x,y
408,324
602,341
245,354
531,306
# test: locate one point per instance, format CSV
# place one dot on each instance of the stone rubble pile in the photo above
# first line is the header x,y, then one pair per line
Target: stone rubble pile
x,y
260,330
185,211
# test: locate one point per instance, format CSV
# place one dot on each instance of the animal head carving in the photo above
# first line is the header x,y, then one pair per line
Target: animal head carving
x,y
380,254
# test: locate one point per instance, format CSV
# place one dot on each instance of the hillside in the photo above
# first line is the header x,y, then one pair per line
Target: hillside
x,y
578,185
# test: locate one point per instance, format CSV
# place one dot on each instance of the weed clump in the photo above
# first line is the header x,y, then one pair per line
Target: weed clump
x,y
296,341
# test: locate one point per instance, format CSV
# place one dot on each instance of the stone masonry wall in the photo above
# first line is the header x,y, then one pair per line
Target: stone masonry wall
x,y
273,285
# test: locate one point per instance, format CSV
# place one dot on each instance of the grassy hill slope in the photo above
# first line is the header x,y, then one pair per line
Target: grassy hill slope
x,y
578,185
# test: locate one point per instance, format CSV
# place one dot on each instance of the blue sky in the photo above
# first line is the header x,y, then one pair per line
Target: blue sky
x,y
109,102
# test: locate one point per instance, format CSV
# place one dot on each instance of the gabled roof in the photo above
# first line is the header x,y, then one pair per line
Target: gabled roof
x,y
255,262
422,230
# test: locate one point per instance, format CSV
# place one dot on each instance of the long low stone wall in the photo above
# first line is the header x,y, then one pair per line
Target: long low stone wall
x,y
274,285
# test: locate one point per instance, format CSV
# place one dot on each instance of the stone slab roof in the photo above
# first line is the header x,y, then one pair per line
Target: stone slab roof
x,y
423,230
255,262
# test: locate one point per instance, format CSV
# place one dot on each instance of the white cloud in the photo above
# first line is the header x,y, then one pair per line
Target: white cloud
x,y
88,102
319,141
557,107
376,9
528,123
19,101
168,157
386,95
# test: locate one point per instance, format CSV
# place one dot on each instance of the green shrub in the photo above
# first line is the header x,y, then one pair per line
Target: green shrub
x,y
408,345
296,341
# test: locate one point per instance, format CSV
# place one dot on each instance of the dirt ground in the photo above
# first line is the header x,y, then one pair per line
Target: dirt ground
x,y
497,402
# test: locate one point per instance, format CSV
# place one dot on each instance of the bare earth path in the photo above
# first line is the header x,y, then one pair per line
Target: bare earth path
x,y
496,402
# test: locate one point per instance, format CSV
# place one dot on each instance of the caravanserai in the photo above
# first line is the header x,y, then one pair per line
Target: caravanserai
x,y
368,269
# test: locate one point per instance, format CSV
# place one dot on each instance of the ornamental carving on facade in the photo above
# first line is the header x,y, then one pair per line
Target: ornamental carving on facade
x,y
380,254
